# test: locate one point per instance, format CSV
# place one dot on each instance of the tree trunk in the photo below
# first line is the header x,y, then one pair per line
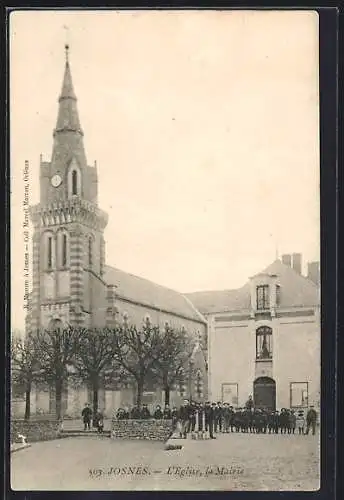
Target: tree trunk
x,y
27,401
167,394
139,392
95,389
58,396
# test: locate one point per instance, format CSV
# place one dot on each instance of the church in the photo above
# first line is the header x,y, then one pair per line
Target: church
x,y
262,339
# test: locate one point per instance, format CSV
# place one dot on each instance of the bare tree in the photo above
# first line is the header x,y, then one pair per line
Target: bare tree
x,y
93,358
136,350
57,347
174,357
25,367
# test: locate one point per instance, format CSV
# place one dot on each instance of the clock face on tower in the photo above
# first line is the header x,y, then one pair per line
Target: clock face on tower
x,y
56,180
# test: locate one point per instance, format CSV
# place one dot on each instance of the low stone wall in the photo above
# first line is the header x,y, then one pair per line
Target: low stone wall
x,y
34,430
154,430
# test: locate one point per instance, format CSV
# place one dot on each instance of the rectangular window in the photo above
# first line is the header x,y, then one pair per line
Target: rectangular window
x,y
263,298
50,252
229,393
298,394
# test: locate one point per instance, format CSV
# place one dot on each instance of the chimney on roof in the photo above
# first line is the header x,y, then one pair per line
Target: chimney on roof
x,y
286,259
297,262
314,272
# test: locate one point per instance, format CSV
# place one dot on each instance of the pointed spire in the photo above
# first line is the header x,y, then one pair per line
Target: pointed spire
x,y
67,86
68,118
68,135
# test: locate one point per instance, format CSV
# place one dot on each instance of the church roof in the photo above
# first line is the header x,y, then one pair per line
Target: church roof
x,y
296,291
145,292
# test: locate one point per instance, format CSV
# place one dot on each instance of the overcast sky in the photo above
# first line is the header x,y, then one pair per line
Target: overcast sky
x,y
204,126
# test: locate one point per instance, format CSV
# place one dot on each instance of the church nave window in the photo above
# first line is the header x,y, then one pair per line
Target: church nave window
x,y
278,295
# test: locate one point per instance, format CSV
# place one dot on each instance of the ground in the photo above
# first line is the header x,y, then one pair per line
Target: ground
x,y
231,462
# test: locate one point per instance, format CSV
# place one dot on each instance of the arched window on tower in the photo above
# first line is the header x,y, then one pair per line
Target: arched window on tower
x,y
264,342
64,250
74,182
50,252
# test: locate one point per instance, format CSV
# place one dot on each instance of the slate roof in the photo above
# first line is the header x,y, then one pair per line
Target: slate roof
x,y
149,294
296,291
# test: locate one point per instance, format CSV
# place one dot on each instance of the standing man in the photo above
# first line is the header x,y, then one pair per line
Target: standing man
x,y
100,422
276,421
226,417
270,421
145,412
249,403
135,413
158,414
218,417
311,420
200,410
86,416
192,417
167,412
292,418
300,422
231,418
174,416
209,418
284,420
184,418
264,421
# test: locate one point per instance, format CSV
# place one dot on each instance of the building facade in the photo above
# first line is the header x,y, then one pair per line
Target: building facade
x,y
264,338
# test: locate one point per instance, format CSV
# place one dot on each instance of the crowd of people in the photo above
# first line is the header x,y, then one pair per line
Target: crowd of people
x,y
221,418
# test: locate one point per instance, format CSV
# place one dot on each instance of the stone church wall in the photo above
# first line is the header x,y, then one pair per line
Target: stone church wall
x,y
153,430
137,312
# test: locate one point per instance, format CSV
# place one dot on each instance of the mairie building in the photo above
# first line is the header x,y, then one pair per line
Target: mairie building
x,y
262,339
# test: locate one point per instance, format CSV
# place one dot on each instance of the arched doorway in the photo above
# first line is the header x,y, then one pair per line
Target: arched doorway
x,y
264,393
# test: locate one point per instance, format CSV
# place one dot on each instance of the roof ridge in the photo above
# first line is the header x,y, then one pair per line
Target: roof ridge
x,y
144,279
294,271
162,294
194,308
227,290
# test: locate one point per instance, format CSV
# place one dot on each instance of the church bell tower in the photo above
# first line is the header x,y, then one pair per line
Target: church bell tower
x,y
68,240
